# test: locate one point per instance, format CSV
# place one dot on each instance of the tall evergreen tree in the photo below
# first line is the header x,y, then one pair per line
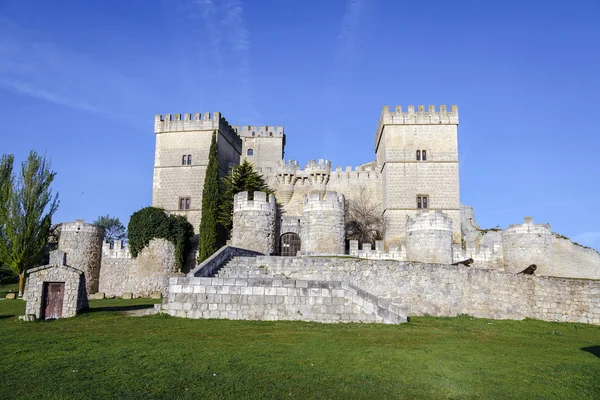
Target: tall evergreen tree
x,y
28,208
242,178
209,229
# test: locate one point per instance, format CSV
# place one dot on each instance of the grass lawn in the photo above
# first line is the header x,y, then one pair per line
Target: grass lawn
x,y
106,354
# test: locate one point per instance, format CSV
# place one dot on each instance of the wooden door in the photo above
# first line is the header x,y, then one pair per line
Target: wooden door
x,y
53,300
290,244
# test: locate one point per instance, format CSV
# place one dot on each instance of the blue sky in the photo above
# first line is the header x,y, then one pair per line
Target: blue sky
x,y
82,81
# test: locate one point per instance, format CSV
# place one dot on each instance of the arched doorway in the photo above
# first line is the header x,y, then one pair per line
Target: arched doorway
x,y
289,244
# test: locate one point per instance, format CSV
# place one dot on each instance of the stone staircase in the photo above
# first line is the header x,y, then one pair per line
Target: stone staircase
x,y
243,267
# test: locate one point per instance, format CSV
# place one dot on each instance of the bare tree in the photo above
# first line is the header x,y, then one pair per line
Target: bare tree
x,y
364,219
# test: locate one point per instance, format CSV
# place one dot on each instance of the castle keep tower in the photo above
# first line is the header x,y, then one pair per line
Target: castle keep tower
x,y
417,152
83,244
254,222
322,223
527,244
181,158
429,238
263,146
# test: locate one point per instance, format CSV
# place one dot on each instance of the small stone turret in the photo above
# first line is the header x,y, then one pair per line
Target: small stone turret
x,y
287,175
429,238
318,173
83,244
254,222
322,223
525,244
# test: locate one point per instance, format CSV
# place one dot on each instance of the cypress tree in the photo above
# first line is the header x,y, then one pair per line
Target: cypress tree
x,y
242,178
209,229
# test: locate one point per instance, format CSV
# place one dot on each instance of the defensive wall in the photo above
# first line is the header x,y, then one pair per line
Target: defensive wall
x,y
142,276
443,290
254,222
322,227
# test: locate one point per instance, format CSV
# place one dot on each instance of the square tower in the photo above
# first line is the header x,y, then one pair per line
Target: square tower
x,y
263,146
417,152
181,158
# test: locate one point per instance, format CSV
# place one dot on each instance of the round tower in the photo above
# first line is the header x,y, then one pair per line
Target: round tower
x,y
254,222
286,178
83,244
525,244
429,238
322,223
318,172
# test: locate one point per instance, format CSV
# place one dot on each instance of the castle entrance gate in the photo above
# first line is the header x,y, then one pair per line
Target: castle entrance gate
x,y
289,244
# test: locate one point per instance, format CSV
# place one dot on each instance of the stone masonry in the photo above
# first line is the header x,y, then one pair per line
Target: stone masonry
x,y
254,222
322,223
83,244
429,238
75,295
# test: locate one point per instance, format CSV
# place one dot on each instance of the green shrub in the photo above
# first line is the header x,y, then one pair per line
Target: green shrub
x,y
152,223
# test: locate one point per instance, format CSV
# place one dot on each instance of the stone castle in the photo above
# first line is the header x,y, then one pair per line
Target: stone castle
x,y
289,258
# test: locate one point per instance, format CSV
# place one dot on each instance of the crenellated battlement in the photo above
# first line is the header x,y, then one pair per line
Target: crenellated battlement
x,y
329,201
290,167
527,227
318,167
262,201
192,122
420,116
117,249
259,131
432,220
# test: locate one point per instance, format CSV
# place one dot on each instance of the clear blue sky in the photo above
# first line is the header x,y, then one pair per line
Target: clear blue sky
x,y
82,81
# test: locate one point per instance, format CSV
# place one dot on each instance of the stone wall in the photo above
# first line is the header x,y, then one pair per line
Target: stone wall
x,y
527,244
142,276
444,290
277,299
322,225
254,222
75,295
572,260
83,244
429,238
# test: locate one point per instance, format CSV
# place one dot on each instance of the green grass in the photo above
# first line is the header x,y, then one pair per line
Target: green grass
x,y
106,354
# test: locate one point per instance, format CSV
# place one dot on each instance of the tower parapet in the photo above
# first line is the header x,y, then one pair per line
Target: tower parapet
x,y
322,223
259,131
195,122
429,238
420,116
83,244
318,173
287,175
525,244
254,222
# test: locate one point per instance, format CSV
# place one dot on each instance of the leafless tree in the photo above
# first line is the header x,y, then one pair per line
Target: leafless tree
x,y
364,219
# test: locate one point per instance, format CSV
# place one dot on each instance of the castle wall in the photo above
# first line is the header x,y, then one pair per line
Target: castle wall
x,y
322,223
572,260
276,299
445,290
142,276
178,135
527,244
83,244
399,136
429,238
254,222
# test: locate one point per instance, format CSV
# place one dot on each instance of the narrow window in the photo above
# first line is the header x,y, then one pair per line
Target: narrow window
x,y
424,156
418,155
184,160
189,159
270,133
184,203
425,202
250,152
419,202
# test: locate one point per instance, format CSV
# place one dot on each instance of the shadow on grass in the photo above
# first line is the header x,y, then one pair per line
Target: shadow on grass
x,y
7,316
118,308
595,350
